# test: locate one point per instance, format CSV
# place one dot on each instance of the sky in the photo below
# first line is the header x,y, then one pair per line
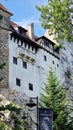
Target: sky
x,y
25,12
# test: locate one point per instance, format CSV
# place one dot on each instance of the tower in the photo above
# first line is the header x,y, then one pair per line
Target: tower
x,y
4,49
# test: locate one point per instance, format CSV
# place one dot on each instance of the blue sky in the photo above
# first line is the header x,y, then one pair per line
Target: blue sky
x,y
25,12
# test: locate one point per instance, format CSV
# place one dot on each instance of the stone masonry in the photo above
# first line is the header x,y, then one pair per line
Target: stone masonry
x,y
4,48
4,52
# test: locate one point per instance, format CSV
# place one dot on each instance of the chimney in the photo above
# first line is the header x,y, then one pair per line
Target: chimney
x,y
31,30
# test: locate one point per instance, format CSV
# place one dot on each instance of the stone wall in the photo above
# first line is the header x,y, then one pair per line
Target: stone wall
x,y
4,48
4,57
5,21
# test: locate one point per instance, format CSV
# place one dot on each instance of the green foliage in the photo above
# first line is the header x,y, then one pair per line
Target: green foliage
x,y
56,16
2,126
10,107
54,97
15,116
15,111
17,127
17,121
57,46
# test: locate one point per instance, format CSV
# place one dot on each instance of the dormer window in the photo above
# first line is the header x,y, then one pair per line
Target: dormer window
x,y
46,43
22,31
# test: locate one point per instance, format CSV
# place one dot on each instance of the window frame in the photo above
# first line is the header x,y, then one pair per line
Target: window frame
x,y
18,82
15,60
31,86
24,64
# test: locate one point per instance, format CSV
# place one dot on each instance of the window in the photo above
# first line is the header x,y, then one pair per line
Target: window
x,y
24,65
30,86
18,83
15,60
46,43
45,59
53,62
57,65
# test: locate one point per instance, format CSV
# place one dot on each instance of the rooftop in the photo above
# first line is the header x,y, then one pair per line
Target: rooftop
x,y
4,9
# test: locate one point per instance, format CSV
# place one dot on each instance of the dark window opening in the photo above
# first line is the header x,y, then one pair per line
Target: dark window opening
x,y
18,83
57,65
53,62
30,86
15,60
24,65
46,43
45,59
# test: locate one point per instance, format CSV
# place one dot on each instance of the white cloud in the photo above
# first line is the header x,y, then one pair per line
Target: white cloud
x,y
24,22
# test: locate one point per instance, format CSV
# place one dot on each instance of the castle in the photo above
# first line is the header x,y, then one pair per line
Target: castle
x,y
28,58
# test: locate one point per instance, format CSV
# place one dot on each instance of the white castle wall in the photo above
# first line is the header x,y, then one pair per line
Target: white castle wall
x,y
35,74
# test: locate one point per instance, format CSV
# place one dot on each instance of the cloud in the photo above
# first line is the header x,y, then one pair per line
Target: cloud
x,y
24,22
38,30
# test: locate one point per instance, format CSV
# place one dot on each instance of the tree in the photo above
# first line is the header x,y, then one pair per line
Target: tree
x,y
54,97
57,17
12,116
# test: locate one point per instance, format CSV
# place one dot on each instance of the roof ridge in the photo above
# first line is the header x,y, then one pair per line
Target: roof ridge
x,y
4,9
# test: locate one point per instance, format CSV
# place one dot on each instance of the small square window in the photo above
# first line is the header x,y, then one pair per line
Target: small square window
x,y
24,65
30,86
18,83
15,60
45,59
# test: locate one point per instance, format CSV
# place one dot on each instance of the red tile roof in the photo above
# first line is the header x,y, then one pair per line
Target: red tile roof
x,y
13,24
4,9
44,37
